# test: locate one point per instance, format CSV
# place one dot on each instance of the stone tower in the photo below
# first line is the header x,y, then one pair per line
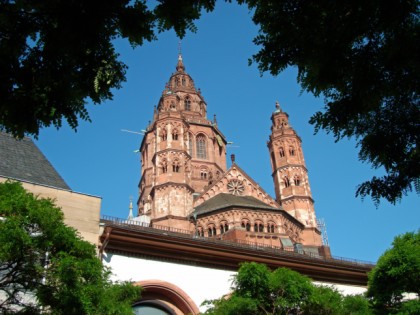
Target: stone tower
x,y
182,153
290,175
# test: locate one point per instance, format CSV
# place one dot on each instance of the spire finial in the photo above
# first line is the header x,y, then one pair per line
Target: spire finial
x,y
180,65
232,158
278,109
130,207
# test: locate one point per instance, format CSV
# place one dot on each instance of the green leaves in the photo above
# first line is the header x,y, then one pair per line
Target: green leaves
x,y
258,290
397,272
363,58
40,256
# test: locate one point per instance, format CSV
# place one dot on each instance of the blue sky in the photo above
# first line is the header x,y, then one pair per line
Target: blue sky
x,y
99,158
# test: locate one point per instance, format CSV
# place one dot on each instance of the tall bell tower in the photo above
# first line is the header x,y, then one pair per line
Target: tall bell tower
x,y
182,153
290,175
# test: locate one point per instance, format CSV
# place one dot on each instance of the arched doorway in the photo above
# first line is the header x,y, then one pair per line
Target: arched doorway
x,y
163,298
152,307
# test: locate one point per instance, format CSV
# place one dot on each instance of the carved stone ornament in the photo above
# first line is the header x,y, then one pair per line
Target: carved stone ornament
x,y
235,187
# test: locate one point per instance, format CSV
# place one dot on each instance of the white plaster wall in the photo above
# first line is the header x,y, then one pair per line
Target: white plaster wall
x,y
344,289
199,283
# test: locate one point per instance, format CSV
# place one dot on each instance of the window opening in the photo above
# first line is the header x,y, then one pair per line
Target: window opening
x,y
203,174
281,152
187,104
291,151
164,166
286,181
176,166
174,134
201,147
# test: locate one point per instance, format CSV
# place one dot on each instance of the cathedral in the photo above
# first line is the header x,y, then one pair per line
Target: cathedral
x,y
197,219
185,183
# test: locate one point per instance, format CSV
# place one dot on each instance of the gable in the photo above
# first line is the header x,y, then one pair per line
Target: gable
x,y
236,182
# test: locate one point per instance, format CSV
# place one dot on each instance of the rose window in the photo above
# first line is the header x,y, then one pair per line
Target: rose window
x,y
235,187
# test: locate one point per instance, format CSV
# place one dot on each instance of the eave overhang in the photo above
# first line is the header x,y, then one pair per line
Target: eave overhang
x,y
165,245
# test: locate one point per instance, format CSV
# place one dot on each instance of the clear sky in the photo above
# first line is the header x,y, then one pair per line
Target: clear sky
x,y
99,159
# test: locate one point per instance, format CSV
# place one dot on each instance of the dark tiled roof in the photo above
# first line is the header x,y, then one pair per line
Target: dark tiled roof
x,y
22,160
223,200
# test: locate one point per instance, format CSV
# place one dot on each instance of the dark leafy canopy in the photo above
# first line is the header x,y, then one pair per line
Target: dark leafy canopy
x,y
54,55
363,56
44,264
257,290
397,271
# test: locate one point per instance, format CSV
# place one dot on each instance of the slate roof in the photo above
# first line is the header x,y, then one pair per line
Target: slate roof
x,y
22,160
224,200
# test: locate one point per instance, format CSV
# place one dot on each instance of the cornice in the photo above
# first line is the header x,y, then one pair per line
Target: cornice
x,y
207,252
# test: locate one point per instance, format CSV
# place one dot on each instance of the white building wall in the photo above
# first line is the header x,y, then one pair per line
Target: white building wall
x,y
198,282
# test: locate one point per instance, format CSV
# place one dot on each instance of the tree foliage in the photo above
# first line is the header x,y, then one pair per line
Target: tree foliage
x,y
45,265
257,290
362,56
55,55
397,272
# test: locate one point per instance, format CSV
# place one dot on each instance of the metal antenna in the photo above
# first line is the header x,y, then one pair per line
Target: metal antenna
x,y
323,228
142,132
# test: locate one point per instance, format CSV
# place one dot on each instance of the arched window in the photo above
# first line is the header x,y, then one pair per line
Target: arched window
x,y
212,230
258,227
176,166
203,173
281,152
296,179
292,151
224,227
184,82
164,166
286,181
248,227
271,227
174,134
187,103
163,135
172,105
201,146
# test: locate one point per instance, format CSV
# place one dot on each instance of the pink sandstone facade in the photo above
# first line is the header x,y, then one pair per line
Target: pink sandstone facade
x,y
185,182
